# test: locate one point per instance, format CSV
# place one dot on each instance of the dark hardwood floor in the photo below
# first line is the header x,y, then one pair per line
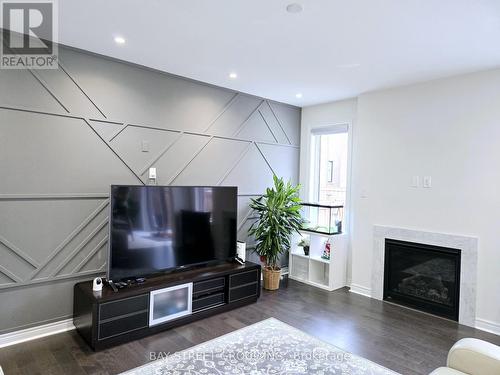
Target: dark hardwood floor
x,y
401,339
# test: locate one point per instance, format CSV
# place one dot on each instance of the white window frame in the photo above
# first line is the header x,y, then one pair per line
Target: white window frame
x,y
311,187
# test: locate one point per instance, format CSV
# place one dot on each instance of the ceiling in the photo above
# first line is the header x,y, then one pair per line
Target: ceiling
x,y
333,49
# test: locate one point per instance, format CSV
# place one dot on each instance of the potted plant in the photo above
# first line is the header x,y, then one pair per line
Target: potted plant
x,y
278,216
304,243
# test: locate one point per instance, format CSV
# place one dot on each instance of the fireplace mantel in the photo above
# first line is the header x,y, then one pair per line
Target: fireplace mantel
x,y
468,270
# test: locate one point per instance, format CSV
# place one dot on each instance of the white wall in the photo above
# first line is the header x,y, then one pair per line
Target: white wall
x,y
448,129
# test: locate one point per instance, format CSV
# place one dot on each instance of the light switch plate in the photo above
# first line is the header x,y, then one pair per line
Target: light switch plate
x,y
152,173
427,182
145,146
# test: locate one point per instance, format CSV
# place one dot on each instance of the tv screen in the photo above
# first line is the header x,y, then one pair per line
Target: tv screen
x,y
154,229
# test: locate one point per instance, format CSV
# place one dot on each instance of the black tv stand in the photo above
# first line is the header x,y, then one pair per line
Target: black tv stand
x,y
109,318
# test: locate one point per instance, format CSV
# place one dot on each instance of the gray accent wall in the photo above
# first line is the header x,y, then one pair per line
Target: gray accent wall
x,y
67,134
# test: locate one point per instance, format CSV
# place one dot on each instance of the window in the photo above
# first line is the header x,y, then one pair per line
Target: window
x,y
329,165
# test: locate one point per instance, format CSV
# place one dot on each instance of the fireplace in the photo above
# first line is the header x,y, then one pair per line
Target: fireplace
x,y
424,277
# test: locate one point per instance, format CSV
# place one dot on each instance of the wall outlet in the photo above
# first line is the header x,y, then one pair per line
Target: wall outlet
x,y
427,182
145,146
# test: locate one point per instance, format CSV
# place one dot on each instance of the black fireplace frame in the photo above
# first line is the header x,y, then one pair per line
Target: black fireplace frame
x,y
420,303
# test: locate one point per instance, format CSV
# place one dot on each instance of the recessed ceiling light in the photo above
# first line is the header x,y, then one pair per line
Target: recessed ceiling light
x,y
349,65
298,95
233,75
294,8
119,40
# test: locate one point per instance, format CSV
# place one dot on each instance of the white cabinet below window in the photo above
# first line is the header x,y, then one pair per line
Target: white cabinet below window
x,y
312,269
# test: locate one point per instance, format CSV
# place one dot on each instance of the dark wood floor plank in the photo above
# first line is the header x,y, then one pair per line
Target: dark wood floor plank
x,y
404,340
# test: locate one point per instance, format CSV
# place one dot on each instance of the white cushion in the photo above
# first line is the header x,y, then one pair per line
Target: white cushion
x,y
474,356
446,371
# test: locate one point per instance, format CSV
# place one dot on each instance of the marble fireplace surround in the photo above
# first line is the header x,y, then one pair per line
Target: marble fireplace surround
x,y
468,263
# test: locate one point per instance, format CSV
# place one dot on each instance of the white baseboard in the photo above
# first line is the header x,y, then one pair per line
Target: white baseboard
x,y
488,326
28,334
358,289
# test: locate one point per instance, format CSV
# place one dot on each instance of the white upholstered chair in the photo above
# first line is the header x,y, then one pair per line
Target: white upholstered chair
x,y
471,357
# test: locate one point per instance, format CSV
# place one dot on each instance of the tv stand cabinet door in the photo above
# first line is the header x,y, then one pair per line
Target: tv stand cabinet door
x,y
124,306
170,303
244,285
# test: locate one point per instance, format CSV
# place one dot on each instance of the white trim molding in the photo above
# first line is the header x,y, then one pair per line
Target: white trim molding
x,y
361,290
488,326
37,332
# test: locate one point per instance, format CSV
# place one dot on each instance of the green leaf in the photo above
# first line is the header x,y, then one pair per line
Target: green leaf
x,y
278,216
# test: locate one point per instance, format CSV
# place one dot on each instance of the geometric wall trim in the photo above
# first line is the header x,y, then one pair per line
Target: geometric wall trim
x,y
46,154
273,123
223,153
287,118
67,92
138,155
187,158
29,93
283,160
67,134
144,96
175,158
256,128
252,173
85,237
107,130
229,121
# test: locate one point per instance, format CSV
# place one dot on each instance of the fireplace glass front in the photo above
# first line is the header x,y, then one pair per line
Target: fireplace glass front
x,y
424,277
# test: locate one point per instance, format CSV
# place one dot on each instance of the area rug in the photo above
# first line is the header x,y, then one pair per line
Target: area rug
x,y
267,347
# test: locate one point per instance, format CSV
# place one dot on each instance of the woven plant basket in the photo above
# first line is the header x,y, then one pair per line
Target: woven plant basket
x,y
271,279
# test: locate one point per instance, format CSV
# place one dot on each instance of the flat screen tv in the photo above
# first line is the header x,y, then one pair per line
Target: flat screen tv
x,y
154,229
